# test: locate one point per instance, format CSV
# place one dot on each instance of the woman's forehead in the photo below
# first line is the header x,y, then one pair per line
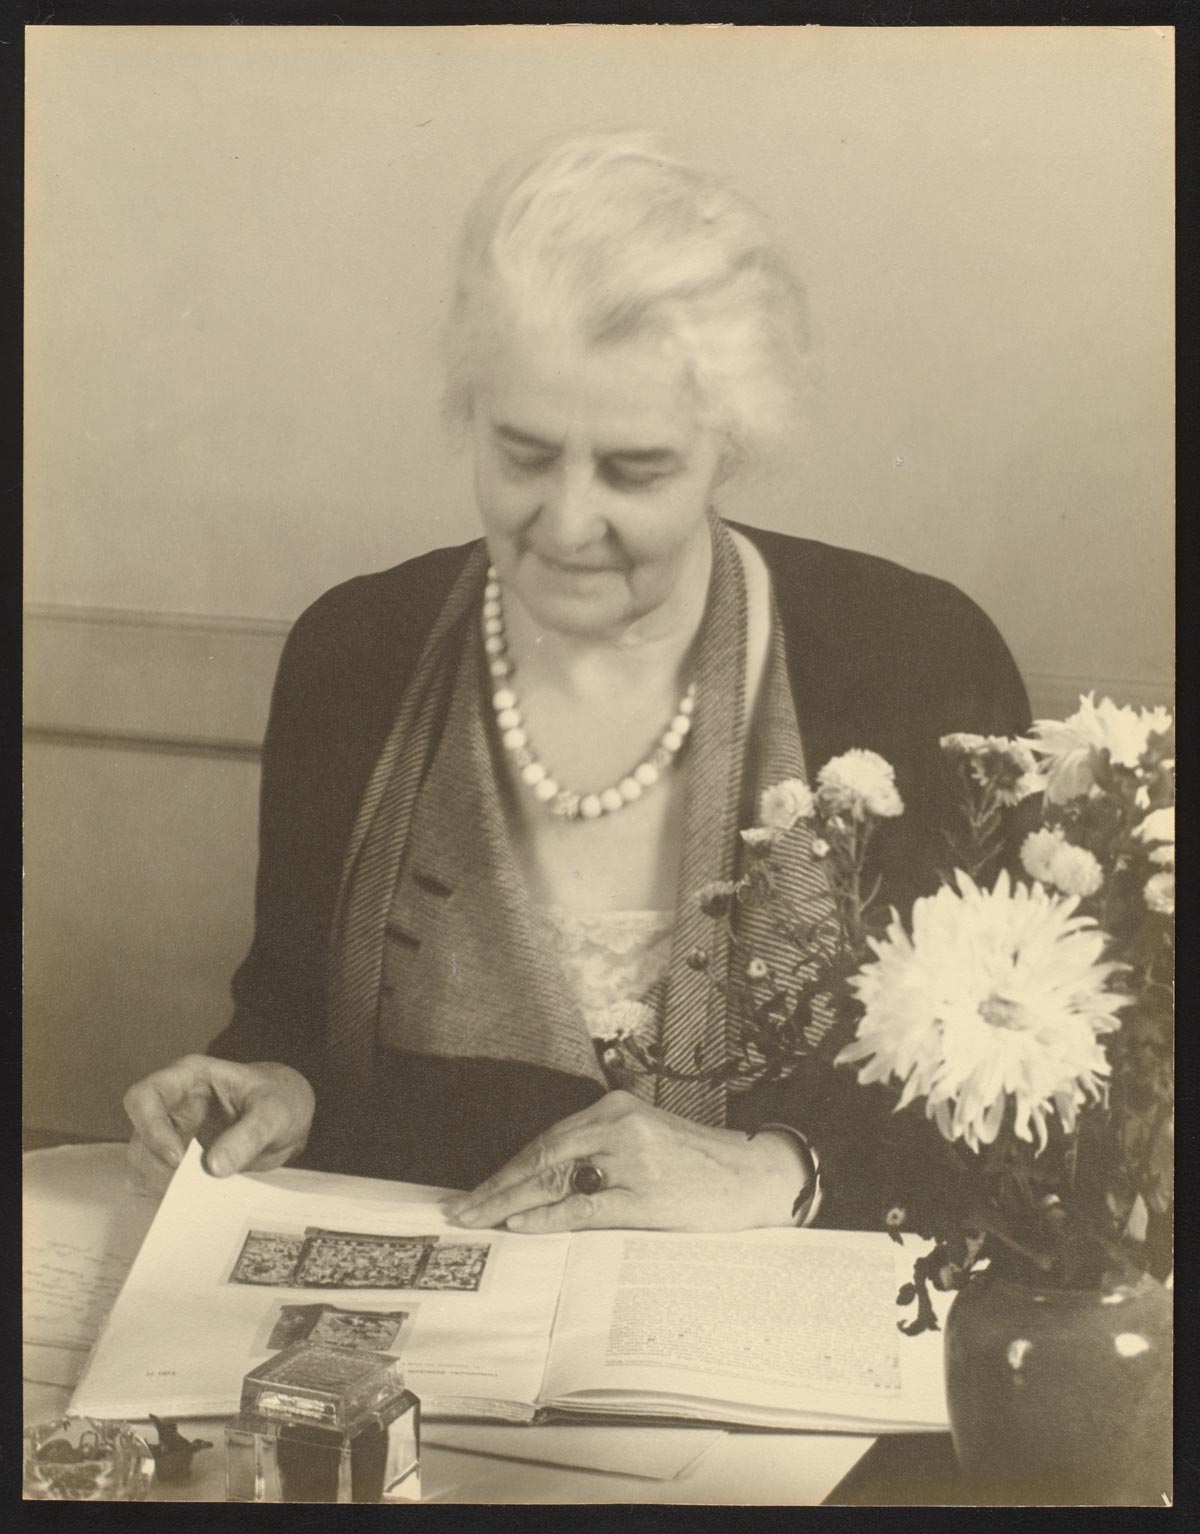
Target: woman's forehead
x,y
636,392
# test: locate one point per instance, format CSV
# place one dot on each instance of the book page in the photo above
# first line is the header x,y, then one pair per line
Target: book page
x,y
235,1269
80,1234
770,1325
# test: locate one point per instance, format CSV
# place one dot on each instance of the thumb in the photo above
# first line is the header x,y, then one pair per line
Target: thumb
x,y
241,1145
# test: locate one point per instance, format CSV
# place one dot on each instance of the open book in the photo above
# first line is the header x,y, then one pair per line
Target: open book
x,y
772,1328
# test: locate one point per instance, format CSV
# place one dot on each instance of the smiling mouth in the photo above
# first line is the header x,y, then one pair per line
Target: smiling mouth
x,y
574,569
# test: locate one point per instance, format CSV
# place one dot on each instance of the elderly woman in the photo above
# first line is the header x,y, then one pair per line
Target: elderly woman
x,y
495,776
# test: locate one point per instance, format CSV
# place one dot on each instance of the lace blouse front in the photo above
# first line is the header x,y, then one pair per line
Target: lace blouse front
x,y
615,964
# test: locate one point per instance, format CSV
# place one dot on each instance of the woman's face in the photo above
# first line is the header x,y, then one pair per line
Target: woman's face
x,y
594,475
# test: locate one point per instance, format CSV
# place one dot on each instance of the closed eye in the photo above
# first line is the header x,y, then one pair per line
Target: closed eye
x,y
524,461
623,474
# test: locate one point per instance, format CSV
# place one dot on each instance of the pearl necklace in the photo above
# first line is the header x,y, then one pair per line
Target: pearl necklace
x,y
534,773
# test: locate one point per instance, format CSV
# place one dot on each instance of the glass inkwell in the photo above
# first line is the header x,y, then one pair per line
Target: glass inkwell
x,y
321,1423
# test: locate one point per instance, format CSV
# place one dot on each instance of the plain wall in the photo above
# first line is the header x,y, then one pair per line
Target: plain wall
x,y
239,243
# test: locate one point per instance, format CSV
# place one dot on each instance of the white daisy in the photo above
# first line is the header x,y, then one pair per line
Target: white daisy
x,y
997,995
1069,749
783,804
858,783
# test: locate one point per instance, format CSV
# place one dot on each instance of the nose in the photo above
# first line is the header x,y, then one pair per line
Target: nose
x,y
569,514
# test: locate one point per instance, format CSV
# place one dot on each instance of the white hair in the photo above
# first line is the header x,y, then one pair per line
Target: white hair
x,y
608,236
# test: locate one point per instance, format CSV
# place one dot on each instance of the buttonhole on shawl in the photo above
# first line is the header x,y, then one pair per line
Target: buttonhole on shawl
x,y
432,886
405,939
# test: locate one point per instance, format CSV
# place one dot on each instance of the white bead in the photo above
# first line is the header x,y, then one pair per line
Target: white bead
x,y
494,644
509,719
545,790
513,739
646,774
533,774
504,697
589,807
687,705
681,724
629,789
672,741
499,667
493,626
491,610
611,800
491,592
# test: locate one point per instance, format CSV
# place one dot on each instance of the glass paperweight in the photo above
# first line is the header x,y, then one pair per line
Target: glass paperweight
x,y
321,1423
76,1459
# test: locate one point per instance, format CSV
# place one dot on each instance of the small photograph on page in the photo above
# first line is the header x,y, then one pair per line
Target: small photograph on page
x,y
267,1257
455,1266
330,1261
364,1329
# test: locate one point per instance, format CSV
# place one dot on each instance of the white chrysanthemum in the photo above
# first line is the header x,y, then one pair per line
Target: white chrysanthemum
x,y
1047,856
1159,827
1076,871
1068,749
997,994
859,782
783,804
1038,851
1160,892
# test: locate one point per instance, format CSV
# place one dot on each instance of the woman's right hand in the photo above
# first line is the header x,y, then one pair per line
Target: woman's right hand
x,y
250,1117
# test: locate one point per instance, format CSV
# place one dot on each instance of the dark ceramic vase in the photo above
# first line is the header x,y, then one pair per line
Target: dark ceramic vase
x,y
1061,1396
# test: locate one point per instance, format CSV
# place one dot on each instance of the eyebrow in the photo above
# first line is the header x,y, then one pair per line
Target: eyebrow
x,y
642,456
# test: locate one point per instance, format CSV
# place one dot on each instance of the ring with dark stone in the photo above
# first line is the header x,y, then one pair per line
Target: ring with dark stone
x,y
587,1177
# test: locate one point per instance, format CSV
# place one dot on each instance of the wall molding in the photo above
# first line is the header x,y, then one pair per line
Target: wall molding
x,y
178,682
1054,695
200,685
136,617
165,745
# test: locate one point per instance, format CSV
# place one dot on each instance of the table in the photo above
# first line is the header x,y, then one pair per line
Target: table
x,y
78,1194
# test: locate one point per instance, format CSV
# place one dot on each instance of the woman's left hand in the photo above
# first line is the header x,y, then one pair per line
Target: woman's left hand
x,y
661,1172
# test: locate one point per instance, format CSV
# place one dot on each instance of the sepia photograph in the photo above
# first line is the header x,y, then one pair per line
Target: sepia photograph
x,y
599,685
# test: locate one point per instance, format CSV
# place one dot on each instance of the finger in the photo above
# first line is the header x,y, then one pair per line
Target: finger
x,y
606,1210
548,1186
146,1172
580,1134
261,1130
149,1104
546,1163
538,1157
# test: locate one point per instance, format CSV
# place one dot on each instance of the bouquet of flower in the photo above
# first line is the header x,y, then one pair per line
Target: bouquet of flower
x,y
1020,1020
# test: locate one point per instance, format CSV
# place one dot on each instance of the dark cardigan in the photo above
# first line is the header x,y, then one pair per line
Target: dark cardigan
x,y
879,657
